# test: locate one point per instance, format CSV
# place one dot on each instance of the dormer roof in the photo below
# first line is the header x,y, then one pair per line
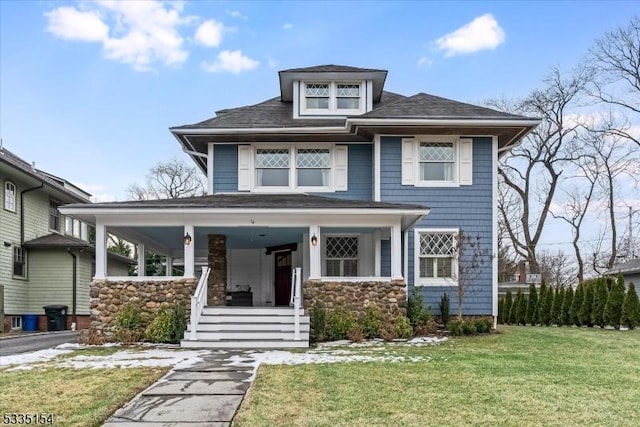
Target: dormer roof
x,y
330,72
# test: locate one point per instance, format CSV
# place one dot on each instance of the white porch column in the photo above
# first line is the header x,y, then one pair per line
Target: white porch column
x,y
141,263
396,252
315,260
210,169
405,255
101,251
377,254
189,253
169,268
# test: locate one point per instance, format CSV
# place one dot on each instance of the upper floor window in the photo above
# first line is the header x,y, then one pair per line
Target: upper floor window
x,y
313,166
272,167
437,161
19,262
10,196
75,228
54,215
332,98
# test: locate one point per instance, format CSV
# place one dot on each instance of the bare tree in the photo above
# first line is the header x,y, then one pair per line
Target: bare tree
x,y
614,63
473,259
556,268
530,173
169,180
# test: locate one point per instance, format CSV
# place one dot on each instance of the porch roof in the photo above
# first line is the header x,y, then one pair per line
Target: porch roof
x,y
59,241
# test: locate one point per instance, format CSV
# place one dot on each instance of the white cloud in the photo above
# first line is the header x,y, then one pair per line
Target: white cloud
x,y
209,33
482,33
236,14
425,62
230,61
72,24
142,33
287,26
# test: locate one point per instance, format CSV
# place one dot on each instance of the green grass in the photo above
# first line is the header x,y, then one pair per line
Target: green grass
x,y
524,376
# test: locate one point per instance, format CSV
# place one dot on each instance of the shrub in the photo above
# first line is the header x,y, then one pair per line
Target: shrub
x,y
355,333
513,314
500,310
631,309
426,328
600,296
483,324
521,313
402,327
541,301
318,322
444,308
544,306
162,327
454,327
508,302
556,307
613,309
566,307
128,324
414,306
468,327
339,323
576,305
587,306
179,322
532,306
371,322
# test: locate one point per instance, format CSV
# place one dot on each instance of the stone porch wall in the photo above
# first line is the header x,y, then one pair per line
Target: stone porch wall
x,y
389,297
107,298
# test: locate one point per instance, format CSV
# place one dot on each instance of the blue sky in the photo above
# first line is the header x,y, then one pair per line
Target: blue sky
x,y
88,89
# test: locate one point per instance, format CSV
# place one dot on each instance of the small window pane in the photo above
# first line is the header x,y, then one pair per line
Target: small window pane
x,y
444,267
350,268
313,158
318,103
436,152
313,177
348,90
436,171
272,177
348,103
317,89
272,158
333,267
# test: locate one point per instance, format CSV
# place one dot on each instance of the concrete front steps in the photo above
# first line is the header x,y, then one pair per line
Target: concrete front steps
x,y
247,327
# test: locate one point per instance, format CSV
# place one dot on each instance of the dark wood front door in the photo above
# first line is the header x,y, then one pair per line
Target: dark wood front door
x,y
283,278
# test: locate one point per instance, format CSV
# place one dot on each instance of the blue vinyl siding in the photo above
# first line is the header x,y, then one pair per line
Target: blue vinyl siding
x,y
225,166
466,207
360,172
385,258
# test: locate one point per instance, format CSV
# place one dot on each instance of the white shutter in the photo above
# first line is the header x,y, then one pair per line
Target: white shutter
x,y
341,172
408,161
244,167
465,157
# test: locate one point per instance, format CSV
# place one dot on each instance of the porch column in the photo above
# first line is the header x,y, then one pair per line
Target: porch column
x,y
396,252
141,263
169,266
210,169
377,254
315,252
189,252
217,260
101,251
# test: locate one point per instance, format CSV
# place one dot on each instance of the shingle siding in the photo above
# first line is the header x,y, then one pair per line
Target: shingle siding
x,y
225,166
466,207
385,258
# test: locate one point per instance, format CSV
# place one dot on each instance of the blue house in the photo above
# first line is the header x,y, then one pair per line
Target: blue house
x,y
334,191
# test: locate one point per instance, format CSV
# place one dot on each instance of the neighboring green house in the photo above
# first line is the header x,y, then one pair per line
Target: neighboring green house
x,y
40,247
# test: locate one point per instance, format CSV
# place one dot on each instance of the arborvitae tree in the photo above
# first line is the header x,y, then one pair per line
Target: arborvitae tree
x,y
522,309
587,305
500,310
566,307
556,308
613,309
600,296
545,318
508,302
576,305
541,299
513,316
532,305
631,309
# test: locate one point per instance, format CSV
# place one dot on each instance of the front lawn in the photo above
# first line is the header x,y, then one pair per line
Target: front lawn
x,y
533,376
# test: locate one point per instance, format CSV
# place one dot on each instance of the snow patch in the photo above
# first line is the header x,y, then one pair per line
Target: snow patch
x,y
33,357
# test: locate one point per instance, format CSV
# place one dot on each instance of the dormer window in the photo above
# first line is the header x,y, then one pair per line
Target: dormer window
x,y
332,98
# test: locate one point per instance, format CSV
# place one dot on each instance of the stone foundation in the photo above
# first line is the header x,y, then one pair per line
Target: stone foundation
x,y
217,260
389,297
107,299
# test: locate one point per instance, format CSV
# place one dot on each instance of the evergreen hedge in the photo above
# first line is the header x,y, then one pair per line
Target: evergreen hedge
x,y
587,306
556,308
532,306
566,307
613,308
576,306
508,302
600,296
631,309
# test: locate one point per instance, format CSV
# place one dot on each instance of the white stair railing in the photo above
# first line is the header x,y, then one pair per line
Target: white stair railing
x,y
296,300
198,301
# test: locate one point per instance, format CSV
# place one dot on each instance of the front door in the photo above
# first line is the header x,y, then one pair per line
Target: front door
x,y
283,278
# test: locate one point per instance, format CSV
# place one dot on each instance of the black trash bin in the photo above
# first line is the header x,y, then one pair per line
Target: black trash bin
x,y
56,317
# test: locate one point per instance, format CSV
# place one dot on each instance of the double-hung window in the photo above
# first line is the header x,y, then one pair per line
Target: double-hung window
x,y
10,196
341,256
19,262
54,215
317,96
437,161
313,167
272,167
436,256
348,96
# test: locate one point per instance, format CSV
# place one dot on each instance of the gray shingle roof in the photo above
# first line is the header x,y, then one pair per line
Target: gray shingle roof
x,y
423,105
331,68
254,201
55,240
629,267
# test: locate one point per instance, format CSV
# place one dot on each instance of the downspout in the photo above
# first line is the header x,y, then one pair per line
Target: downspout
x,y
22,210
74,288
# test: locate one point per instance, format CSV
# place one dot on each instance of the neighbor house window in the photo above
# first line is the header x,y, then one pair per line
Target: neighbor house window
x,y
73,227
54,215
313,166
16,322
437,161
436,255
341,256
10,196
19,262
338,98
272,167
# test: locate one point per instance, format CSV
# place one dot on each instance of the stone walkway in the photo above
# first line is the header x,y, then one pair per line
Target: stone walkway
x,y
206,394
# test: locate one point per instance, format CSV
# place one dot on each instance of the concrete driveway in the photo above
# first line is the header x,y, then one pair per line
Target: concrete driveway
x,y
27,342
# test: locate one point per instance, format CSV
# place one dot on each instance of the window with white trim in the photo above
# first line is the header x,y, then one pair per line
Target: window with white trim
x,y
272,167
16,322
437,161
332,98
313,167
19,262
10,196
341,256
54,215
435,256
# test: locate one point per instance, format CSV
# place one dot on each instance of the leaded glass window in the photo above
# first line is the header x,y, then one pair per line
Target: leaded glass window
x,y
436,255
313,166
341,256
348,96
317,95
436,161
272,167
